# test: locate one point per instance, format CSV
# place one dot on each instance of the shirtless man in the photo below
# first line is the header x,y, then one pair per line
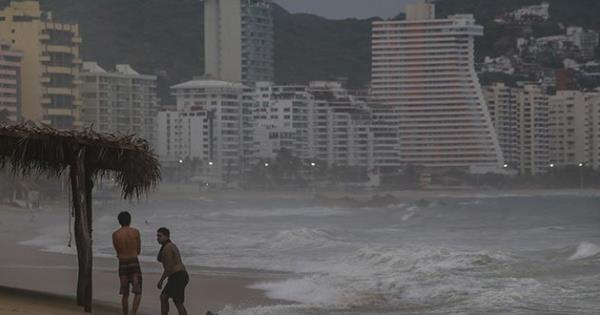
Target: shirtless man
x,y
127,243
174,270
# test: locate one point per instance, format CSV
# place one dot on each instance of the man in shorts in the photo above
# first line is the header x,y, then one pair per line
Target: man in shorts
x,y
127,244
174,270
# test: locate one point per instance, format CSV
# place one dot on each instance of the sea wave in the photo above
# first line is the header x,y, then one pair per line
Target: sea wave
x,y
585,250
279,212
387,277
289,239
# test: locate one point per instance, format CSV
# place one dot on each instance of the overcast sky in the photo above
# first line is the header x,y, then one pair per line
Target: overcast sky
x,y
339,9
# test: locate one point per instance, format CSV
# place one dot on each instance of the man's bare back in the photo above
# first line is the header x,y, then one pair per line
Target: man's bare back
x,y
127,243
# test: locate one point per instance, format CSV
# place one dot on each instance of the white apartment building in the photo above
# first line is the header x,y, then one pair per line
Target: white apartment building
x,y
593,101
238,40
121,101
386,138
423,69
575,128
319,122
504,112
341,131
569,128
541,11
281,119
209,124
521,118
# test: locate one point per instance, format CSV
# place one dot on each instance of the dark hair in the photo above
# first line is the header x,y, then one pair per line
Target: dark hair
x,y
124,218
164,231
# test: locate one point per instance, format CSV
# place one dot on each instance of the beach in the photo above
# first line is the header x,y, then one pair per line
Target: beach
x,y
33,281
292,253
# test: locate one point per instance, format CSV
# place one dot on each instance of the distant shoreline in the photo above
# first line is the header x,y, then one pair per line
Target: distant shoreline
x,y
175,191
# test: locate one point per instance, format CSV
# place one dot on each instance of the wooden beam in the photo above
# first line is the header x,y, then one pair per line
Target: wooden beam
x,y
83,231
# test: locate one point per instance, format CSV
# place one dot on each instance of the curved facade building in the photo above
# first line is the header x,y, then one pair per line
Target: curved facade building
x,y
423,68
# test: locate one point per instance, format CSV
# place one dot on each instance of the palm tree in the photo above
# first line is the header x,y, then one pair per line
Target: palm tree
x,y
29,148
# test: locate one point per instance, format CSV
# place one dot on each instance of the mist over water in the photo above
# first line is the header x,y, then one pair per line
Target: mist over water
x,y
480,255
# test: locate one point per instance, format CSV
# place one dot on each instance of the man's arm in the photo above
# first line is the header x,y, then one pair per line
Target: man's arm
x,y
114,239
139,242
168,264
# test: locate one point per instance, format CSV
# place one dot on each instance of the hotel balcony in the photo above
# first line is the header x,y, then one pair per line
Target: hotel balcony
x,y
59,91
60,111
59,70
58,49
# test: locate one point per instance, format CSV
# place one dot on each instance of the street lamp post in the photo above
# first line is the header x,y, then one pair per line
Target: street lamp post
x,y
267,175
180,170
552,173
580,166
313,166
210,171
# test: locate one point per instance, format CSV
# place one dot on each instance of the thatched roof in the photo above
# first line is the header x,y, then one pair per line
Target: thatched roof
x,y
30,148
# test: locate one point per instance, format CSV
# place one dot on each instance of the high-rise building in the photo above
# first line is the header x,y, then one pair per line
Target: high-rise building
x,y
575,128
423,68
119,101
281,116
593,101
238,40
386,138
319,122
50,65
504,112
340,127
10,81
208,125
568,123
521,118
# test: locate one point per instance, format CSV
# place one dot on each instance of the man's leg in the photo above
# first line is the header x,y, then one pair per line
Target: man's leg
x,y
136,303
164,304
137,291
180,308
125,304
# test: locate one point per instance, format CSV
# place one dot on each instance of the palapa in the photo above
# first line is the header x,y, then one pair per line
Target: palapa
x,y
31,148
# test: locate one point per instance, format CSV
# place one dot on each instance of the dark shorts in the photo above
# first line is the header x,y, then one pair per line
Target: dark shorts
x,y
175,287
130,274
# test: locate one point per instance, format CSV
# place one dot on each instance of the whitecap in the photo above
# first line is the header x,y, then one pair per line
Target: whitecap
x,y
585,250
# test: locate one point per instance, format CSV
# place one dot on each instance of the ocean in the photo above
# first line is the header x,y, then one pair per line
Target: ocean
x,y
478,255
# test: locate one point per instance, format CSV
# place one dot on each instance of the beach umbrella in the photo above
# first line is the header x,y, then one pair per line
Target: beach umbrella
x,y
31,148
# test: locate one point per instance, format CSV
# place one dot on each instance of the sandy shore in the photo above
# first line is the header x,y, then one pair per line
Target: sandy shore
x,y
26,302
36,282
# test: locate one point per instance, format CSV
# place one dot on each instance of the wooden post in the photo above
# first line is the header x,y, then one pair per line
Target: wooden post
x,y
81,190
